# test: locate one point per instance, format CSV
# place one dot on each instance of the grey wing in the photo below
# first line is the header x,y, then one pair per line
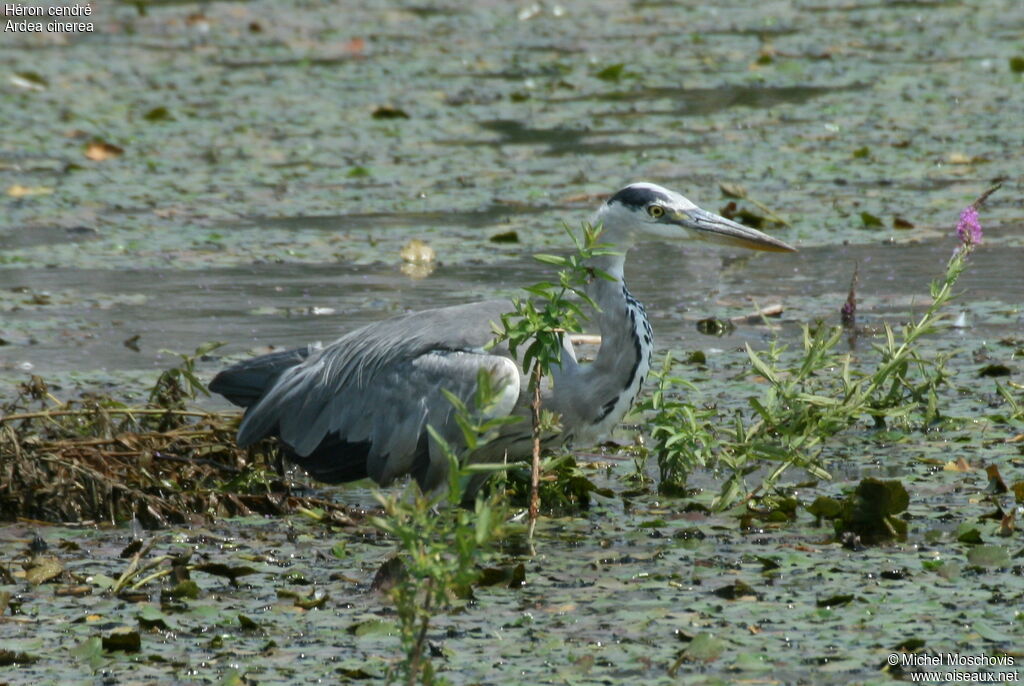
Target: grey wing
x,y
360,407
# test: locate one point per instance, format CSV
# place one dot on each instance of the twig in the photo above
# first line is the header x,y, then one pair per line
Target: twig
x,y
171,435
535,472
848,312
984,196
584,339
5,619
771,214
196,460
85,411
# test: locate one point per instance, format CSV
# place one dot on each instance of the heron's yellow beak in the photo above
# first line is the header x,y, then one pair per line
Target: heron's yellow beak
x,y
709,226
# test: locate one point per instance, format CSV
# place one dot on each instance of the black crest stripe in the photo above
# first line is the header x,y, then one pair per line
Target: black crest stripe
x,y
637,197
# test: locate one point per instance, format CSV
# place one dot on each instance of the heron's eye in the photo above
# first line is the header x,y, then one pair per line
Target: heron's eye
x,y
656,211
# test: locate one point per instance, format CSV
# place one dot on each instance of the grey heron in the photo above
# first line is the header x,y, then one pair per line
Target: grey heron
x,y
360,406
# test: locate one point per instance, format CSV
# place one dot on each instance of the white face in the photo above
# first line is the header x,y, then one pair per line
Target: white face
x,y
646,211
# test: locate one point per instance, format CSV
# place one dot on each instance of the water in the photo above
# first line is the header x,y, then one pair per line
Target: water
x,y
264,194
290,304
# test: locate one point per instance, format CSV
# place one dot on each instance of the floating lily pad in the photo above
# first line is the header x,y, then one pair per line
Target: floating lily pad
x,y
988,556
43,569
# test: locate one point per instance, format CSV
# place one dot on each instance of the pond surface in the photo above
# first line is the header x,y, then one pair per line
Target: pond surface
x,y
275,158
249,172
61,320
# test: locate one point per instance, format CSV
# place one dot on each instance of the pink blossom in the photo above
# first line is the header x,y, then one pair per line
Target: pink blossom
x,y
969,228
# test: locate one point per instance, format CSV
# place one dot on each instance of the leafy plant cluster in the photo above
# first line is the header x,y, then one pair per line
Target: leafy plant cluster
x,y
179,384
440,544
539,324
565,488
869,513
810,395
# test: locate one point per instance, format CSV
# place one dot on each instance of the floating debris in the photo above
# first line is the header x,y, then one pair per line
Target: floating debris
x,y
420,259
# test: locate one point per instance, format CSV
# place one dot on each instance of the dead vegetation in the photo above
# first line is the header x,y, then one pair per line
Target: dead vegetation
x,y
97,459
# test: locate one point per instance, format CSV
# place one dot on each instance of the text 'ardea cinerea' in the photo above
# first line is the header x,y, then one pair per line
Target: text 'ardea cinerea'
x,y
360,406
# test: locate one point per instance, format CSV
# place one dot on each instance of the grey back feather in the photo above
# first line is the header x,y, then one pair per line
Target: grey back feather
x,y
383,384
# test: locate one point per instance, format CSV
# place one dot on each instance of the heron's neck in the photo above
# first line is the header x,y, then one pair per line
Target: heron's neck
x,y
623,360
621,318
613,265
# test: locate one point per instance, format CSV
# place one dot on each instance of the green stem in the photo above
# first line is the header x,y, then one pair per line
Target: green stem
x,y
914,331
416,659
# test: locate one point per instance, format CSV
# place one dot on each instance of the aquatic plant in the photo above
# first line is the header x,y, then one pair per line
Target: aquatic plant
x,y
809,396
538,323
440,544
848,312
179,383
969,227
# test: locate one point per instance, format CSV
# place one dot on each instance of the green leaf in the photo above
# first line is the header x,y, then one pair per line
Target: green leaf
x,y
968,533
818,400
373,627
551,259
835,600
823,506
124,638
705,648
762,368
183,589
249,624
232,677
158,114
541,289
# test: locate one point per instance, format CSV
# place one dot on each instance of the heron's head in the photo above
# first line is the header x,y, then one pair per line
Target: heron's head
x,y
645,211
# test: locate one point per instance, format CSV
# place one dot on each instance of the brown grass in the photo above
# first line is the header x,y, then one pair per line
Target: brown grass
x,y
98,460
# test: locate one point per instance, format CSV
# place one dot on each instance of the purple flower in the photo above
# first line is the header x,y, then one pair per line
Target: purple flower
x,y
969,228
848,312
